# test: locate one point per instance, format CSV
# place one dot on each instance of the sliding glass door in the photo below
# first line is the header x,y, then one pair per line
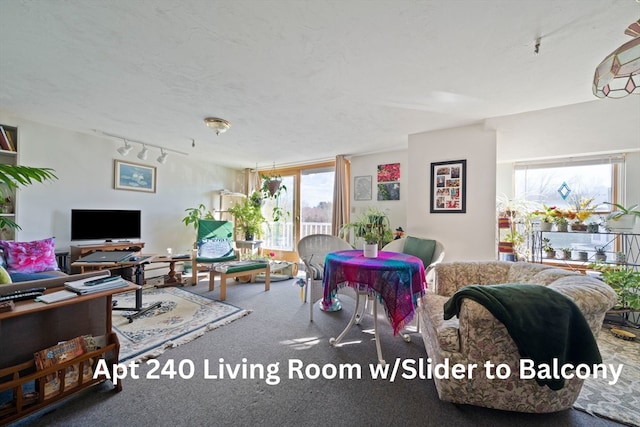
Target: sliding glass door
x,y
308,201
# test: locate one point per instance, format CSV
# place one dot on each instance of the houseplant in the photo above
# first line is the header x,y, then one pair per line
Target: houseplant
x,y
583,208
600,254
14,176
549,251
195,214
372,226
248,216
623,218
626,283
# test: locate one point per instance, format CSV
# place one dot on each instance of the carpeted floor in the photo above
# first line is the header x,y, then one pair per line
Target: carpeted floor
x,y
620,401
275,335
182,317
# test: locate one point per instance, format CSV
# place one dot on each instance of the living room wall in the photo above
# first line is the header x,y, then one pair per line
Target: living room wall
x,y
368,166
84,166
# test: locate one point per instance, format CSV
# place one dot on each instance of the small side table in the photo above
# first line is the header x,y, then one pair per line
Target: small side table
x,y
248,247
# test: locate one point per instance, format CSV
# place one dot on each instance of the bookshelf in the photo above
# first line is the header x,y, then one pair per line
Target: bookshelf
x,y
8,156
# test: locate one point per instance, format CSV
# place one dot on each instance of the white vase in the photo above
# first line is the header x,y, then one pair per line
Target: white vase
x,y
371,250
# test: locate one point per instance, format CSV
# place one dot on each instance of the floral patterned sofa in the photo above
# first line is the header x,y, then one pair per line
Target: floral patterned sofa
x,y
476,336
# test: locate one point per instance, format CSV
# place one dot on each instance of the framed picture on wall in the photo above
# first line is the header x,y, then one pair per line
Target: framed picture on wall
x,y
362,187
449,187
134,176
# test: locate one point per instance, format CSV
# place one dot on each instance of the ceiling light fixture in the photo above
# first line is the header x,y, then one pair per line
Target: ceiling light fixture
x,y
142,155
219,125
163,157
618,75
126,149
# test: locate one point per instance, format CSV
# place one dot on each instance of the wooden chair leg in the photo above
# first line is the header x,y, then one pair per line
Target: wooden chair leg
x,y
223,286
212,280
267,278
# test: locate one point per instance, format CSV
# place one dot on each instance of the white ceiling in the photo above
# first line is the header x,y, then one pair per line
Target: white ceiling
x,y
299,80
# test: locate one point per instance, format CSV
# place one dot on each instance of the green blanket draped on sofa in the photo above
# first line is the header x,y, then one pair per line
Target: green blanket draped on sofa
x,y
543,323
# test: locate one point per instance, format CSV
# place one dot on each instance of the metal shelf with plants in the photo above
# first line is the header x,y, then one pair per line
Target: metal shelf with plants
x,y
580,250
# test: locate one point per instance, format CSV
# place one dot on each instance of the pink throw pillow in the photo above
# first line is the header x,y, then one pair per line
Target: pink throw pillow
x,y
30,257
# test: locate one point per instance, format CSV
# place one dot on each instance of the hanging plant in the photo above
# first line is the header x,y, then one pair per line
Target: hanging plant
x,y
272,188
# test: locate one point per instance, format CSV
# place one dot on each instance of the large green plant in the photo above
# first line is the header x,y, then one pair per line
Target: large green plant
x,y
625,282
248,216
372,226
15,176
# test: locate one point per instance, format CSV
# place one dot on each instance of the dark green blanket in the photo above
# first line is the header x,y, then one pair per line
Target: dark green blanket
x,y
544,324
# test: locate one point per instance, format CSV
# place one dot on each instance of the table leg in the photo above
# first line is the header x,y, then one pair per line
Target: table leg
x,y
375,334
336,341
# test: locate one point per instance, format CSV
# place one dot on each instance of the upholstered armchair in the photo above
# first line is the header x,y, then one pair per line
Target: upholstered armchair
x,y
475,336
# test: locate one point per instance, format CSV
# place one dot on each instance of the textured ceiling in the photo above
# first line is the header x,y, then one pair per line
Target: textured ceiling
x,y
298,80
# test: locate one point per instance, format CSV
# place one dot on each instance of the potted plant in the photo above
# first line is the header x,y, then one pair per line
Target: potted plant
x,y
626,283
248,216
562,224
372,226
195,214
600,255
270,192
566,253
549,251
14,176
545,216
622,219
583,209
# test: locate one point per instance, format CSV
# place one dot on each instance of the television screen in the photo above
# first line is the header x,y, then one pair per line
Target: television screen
x,y
105,224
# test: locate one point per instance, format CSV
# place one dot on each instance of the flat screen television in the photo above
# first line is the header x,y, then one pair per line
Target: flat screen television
x,y
105,224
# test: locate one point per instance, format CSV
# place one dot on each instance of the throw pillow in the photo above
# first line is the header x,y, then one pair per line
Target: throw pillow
x,y
317,271
421,248
214,248
5,279
30,257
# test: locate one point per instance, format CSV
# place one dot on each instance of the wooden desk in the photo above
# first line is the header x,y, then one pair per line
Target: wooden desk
x,y
78,251
397,280
139,279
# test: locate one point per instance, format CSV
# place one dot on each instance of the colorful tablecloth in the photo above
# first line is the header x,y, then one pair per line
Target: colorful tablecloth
x,y
396,279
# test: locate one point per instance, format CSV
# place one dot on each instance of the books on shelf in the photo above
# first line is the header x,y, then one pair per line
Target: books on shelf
x,y
6,140
92,284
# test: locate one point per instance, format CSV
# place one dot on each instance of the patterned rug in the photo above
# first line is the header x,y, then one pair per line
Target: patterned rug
x,y
182,317
619,402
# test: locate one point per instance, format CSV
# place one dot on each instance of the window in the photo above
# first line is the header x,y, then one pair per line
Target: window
x,y
563,182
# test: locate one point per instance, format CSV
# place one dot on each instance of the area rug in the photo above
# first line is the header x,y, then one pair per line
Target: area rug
x,y
182,317
621,401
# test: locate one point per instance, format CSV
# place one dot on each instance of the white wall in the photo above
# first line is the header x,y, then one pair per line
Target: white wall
x,y
84,166
466,236
368,166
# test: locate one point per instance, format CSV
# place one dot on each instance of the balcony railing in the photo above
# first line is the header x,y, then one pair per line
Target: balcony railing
x,y
280,235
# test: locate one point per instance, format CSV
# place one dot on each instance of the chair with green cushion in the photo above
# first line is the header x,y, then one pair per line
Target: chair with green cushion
x,y
214,253
430,251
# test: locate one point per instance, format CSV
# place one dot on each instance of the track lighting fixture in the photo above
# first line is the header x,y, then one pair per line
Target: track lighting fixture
x,y
144,152
163,157
126,149
142,155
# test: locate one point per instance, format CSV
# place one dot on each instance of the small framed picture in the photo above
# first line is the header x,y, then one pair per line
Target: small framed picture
x,y
134,176
362,187
449,187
